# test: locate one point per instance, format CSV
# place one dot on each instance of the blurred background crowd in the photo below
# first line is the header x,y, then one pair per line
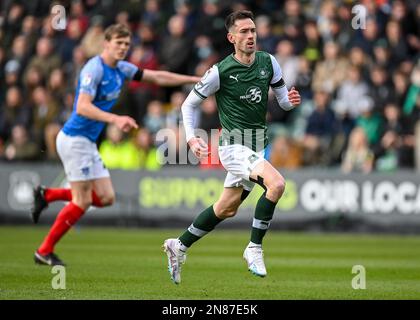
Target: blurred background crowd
x,y
360,87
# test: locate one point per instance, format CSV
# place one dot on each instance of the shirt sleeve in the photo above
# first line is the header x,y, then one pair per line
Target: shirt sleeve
x,y
193,101
90,77
208,84
128,69
277,73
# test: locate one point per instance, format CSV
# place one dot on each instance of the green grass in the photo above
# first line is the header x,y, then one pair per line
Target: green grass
x,y
112,263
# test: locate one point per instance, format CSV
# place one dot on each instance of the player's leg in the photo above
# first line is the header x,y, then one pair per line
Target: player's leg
x,y
273,183
103,193
67,217
76,156
205,222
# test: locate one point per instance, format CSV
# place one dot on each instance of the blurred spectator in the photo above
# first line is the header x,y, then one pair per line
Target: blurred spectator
x,y
289,63
350,92
211,23
45,110
148,157
154,119
45,59
266,40
362,61
357,157
331,71
400,86
174,115
369,121
396,147
209,117
117,152
13,112
397,44
322,127
304,78
380,89
141,93
71,40
176,46
92,40
313,42
285,152
19,147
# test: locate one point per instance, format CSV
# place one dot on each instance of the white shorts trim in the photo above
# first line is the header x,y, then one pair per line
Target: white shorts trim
x,y
80,158
239,161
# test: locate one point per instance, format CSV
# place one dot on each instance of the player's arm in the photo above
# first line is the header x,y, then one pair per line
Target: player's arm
x,y
87,109
167,79
287,99
207,85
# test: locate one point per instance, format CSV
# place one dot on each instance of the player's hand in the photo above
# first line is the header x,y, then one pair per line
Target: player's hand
x,y
294,96
125,123
199,147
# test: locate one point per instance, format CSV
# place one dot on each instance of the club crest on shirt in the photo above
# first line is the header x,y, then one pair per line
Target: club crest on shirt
x,y
86,80
263,73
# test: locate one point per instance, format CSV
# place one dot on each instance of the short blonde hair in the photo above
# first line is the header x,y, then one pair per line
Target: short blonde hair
x,y
118,30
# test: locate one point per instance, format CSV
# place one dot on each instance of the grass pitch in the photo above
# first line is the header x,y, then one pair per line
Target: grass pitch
x,y
112,263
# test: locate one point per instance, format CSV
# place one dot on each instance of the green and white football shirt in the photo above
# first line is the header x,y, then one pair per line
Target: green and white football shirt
x,y
241,94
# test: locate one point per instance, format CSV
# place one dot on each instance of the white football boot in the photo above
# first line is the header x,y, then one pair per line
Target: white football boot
x,y
176,257
254,257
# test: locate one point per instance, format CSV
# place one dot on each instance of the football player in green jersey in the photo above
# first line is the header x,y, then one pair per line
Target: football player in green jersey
x,y
240,83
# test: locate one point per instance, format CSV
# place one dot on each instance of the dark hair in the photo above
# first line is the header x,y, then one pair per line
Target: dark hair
x,y
237,15
119,30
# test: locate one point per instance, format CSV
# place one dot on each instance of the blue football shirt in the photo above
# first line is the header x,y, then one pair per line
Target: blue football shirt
x,y
103,83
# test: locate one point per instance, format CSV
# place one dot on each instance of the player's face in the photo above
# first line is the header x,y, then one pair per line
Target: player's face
x,y
244,36
118,47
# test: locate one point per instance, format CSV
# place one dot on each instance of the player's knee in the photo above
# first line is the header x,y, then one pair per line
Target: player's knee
x,y
82,202
226,210
108,199
277,187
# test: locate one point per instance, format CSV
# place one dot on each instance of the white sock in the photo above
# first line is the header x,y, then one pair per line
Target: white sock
x,y
182,247
252,244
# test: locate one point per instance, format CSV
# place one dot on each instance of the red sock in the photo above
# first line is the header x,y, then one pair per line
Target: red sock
x,y
65,195
95,200
64,221
51,195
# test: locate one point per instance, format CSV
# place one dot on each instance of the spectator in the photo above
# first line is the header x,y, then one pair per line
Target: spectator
x,y
330,72
117,152
322,127
174,115
289,62
154,119
13,112
141,93
285,153
369,121
19,147
45,59
266,40
357,157
149,157
44,110
380,89
92,40
176,46
350,92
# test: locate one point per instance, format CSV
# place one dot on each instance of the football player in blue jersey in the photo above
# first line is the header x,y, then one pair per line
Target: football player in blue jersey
x,y
98,88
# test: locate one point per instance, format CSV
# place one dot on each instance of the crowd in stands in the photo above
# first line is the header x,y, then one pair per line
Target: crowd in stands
x,y
360,83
